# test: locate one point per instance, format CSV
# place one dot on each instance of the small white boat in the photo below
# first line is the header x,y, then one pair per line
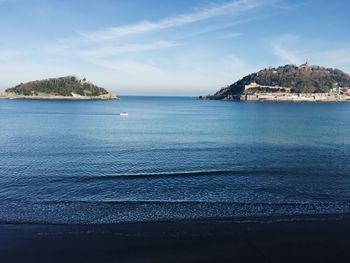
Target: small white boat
x,y
124,113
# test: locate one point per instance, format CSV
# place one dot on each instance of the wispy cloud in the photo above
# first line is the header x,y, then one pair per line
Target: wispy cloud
x,y
280,49
126,49
129,48
118,33
285,54
289,6
230,35
99,47
176,21
295,50
128,66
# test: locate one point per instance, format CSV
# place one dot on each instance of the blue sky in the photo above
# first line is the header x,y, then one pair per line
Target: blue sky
x,y
167,47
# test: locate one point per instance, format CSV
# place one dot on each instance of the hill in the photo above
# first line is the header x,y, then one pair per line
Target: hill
x,y
69,87
291,79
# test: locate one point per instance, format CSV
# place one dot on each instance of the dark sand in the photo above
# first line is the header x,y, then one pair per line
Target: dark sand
x,y
308,239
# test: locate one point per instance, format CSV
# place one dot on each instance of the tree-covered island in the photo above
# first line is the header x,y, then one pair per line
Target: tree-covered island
x,y
69,87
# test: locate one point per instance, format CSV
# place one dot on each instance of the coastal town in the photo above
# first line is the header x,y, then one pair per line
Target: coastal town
x,y
285,94
303,83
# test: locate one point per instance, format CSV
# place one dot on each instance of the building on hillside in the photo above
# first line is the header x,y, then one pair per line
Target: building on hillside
x,y
306,65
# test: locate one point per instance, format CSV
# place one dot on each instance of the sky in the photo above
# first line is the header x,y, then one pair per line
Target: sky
x,y
167,47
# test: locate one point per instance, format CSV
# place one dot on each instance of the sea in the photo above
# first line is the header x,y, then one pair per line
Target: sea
x,y
171,158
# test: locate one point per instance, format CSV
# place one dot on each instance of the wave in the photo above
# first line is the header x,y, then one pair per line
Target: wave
x,y
169,175
185,174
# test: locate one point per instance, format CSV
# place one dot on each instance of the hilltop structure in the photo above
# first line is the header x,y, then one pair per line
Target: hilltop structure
x,y
306,65
289,83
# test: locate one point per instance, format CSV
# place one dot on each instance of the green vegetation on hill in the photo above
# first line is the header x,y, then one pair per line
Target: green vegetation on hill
x,y
301,79
64,86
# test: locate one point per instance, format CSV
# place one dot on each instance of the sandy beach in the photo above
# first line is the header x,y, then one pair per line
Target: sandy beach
x,y
306,239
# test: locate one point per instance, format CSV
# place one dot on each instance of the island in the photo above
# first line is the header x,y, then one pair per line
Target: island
x,y
289,83
63,88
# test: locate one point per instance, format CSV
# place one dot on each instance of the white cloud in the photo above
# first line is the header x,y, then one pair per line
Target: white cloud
x,y
147,26
280,47
286,55
103,41
99,47
230,35
130,48
113,34
121,55
295,50
128,66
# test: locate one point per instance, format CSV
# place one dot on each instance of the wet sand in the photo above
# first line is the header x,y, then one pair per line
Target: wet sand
x,y
307,239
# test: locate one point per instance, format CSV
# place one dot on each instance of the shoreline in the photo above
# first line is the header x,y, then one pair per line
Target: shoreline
x,y
281,97
11,96
323,238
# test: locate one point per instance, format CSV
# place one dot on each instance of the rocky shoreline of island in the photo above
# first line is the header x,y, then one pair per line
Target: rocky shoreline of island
x,y
14,96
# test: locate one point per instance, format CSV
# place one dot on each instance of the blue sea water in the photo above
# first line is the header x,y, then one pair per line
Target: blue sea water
x,y
171,158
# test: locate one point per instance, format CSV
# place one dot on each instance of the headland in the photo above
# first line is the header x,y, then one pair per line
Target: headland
x,y
304,83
